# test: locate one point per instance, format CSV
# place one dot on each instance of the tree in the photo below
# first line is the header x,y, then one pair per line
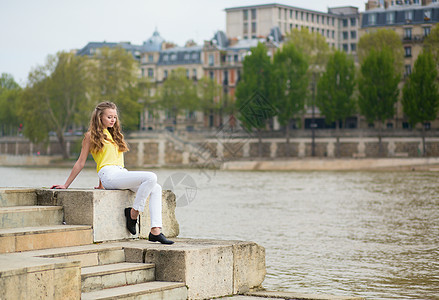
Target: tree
x,y
420,93
115,79
378,87
431,43
335,89
289,85
9,95
209,93
377,41
178,94
253,99
55,98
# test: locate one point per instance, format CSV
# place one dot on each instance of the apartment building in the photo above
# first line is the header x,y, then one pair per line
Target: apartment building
x,y
339,25
412,21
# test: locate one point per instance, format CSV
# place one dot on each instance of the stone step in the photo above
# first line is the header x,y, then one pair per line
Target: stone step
x,y
87,255
28,216
149,290
114,275
17,197
43,237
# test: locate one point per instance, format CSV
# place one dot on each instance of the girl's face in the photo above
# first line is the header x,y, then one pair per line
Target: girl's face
x,y
109,117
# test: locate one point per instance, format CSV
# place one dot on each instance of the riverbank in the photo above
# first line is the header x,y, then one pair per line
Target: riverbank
x,y
342,164
294,164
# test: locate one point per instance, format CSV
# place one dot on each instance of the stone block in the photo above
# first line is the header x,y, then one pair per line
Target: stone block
x,y
209,268
17,197
28,216
104,211
27,277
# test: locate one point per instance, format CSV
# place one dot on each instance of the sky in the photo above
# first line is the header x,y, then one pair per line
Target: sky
x,y
33,29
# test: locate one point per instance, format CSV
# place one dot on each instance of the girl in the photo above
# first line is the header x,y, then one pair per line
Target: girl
x,y
106,143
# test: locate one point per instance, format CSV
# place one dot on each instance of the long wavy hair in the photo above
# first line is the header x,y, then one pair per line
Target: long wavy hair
x,y
96,129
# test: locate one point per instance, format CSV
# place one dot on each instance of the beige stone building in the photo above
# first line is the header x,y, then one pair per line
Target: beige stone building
x,y
412,21
339,25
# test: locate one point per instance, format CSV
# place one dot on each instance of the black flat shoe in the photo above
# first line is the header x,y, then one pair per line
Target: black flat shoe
x,y
131,224
159,238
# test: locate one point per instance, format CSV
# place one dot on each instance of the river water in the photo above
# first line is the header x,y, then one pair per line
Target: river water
x,y
369,234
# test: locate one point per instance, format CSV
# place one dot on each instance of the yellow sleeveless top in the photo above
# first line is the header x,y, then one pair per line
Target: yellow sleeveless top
x,y
109,154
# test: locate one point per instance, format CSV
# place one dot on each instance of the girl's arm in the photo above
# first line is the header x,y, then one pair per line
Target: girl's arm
x,y
79,165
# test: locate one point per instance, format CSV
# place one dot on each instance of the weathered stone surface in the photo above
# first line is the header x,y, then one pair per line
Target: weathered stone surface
x,y
17,197
104,210
210,268
26,277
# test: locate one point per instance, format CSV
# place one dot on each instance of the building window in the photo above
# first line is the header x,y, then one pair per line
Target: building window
x,y
390,18
297,15
245,28
333,34
307,17
353,34
318,18
372,19
245,14
333,21
187,56
211,59
408,51
253,27
323,19
345,22
353,47
345,35
253,14
194,72
280,13
407,33
150,58
291,14
327,33
323,32
211,75
150,72
187,73
353,22
345,47
301,15
165,74
194,56
408,70
427,31
427,15
312,17
173,56
408,15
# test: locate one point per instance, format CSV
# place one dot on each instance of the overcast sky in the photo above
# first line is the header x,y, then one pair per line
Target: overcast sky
x,y
32,29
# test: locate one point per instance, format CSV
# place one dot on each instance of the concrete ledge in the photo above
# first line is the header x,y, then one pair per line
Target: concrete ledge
x,y
24,277
17,197
103,210
292,295
210,268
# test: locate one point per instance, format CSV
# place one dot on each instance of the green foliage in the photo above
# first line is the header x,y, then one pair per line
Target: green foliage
x,y
379,40
209,93
290,82
431,43
420,93
178,94
55,98
9,95
378,86
253,98
115,79
335,88
312,44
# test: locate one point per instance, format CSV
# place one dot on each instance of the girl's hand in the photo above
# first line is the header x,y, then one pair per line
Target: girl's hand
x,y
58,186
99,187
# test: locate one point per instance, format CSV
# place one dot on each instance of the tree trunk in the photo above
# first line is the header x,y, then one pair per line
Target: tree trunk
x,y
424,150
260,143
287,133
62,144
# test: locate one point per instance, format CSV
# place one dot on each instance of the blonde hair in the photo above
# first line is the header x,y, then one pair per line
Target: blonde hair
x,y
96,129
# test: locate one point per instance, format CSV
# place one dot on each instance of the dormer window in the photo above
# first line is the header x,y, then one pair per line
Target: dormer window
x,y
165,57
390,17
372,19
409,15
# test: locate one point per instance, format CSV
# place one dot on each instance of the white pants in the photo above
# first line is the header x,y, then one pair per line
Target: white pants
x,y
144,184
